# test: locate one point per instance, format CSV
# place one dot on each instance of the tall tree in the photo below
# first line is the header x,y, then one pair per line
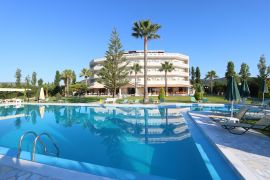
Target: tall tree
x,y
27,81
211,75
27,85
67,76
136,68
166,67
145,30
74,77
86,73
244,72
57,78
264,71
34,79
114,72
230,70
192,73
40,82
198,75
18,76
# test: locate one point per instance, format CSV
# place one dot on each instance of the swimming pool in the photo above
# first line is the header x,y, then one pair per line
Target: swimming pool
x,y
149,142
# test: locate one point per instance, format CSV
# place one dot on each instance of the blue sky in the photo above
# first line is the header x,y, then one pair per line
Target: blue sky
x,y
49,35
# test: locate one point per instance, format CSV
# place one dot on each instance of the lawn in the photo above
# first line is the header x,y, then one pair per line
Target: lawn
x,y
169,99
185,99
265,132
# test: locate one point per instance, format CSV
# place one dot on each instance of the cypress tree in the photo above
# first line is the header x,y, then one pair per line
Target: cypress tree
x,y
192,72
198,76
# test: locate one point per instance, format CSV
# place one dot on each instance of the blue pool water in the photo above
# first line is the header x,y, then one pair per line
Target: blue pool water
x,y
149,141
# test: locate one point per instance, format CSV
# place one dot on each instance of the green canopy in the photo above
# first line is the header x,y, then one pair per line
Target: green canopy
x,y
264,89
232,92
244,89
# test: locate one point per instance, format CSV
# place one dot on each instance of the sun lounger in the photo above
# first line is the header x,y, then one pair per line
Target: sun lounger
x,y
236,117
262,124
137,101
193,100
125,101
204,100
110,100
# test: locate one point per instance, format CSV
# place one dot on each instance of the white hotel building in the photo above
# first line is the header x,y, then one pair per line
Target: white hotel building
x,y
178,79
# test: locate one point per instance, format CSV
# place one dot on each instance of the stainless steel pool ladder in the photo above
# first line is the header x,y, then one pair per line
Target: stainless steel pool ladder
x,y
35,144
37,138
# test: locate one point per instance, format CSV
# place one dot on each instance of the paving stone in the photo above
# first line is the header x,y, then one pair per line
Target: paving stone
x,y
251,149
24,176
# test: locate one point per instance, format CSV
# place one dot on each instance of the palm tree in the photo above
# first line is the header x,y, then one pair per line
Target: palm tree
x,y
166,67
136,68
86,73
211,75
146,30
67,76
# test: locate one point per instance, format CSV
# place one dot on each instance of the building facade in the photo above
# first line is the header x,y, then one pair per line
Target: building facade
x,y
177,80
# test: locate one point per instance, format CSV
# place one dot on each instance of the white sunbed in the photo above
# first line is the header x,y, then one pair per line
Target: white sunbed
x,y
110,100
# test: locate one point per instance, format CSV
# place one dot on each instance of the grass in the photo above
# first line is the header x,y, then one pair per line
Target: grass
x,y
168,99
184,99
265,132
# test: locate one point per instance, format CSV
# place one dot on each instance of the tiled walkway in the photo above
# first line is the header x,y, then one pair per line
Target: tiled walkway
x,y
249,153
11,173
14,169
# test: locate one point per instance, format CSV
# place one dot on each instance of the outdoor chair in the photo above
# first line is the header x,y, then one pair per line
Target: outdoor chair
x,y
193,100
262,124
204,100
137,101
236,117
125,101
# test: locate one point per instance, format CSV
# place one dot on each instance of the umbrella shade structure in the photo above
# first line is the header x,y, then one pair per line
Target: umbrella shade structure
x,y
264,89
41,94
244,89
232,92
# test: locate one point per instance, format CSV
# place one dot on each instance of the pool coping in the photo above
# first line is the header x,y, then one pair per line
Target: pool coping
x,y
227,152
224,157
48,171
121,105
81,169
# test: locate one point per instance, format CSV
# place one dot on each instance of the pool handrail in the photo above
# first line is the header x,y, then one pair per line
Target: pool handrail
x,y
35,144
21,141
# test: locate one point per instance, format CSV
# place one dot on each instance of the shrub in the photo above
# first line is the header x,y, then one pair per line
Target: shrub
x,y
58,96
198,95
199,92
161,95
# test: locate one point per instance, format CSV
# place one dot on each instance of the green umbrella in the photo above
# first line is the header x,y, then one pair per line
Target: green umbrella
x,y
264,89
232,92
244,90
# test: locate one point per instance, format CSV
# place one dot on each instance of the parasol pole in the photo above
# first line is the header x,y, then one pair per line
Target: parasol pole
x,y
232,110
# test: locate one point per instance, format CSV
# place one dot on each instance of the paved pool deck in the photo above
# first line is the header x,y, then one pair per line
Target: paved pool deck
x,y
18,169
248,153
